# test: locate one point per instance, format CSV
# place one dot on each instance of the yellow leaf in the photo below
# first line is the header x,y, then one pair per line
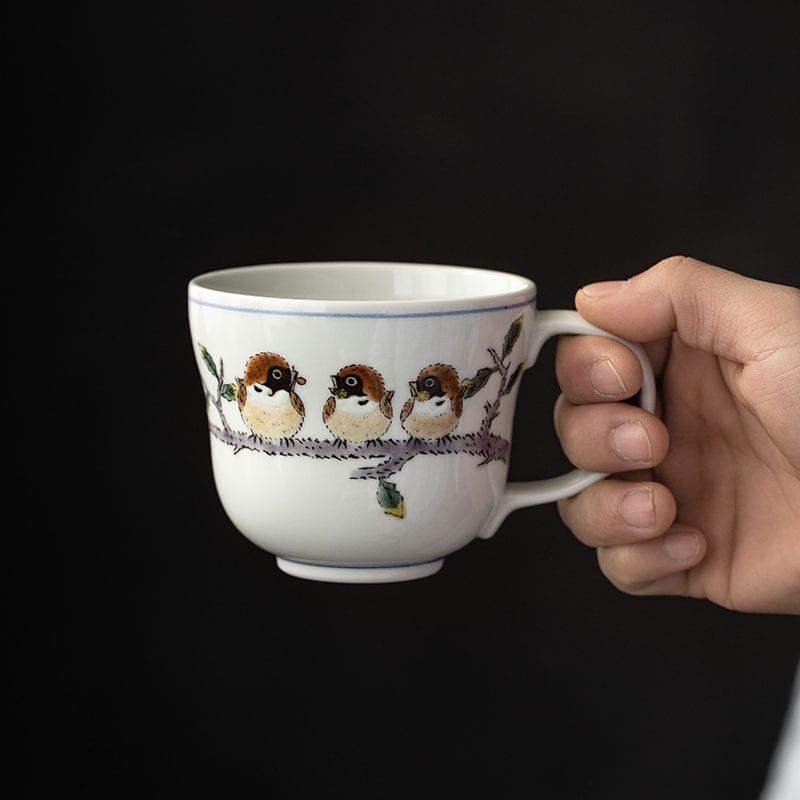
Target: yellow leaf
x,y
398,511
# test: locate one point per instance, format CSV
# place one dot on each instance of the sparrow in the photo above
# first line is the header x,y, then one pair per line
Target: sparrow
x,y
435,405
269,405
360,408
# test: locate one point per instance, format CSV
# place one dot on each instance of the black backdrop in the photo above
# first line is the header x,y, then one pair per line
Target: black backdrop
x,y
156,652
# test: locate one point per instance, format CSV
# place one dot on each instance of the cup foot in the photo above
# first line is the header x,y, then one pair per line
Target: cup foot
x,y
359,574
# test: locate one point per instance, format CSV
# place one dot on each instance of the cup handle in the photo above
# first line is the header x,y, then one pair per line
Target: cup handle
x,y
534,493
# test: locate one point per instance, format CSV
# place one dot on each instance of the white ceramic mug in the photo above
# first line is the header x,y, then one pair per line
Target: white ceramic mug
x,y
360,414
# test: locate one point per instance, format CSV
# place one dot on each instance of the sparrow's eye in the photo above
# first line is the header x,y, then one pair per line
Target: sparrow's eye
x,y
429,383
351,381
277,373
257,387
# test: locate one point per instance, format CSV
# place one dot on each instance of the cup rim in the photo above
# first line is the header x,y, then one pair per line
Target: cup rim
x,y
512,290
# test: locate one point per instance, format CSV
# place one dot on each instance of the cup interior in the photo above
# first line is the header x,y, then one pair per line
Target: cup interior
x,y
363,281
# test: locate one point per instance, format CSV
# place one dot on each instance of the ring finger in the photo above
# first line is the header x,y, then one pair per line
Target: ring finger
x,y
610,437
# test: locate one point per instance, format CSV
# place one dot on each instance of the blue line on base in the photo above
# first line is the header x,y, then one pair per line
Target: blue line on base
x,y
362,566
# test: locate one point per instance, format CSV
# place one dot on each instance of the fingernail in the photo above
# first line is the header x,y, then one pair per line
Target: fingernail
x,y
681,545
631,442
637,508
605,379
603,289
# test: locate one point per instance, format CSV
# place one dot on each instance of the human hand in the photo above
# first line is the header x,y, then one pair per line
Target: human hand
x,y
705,497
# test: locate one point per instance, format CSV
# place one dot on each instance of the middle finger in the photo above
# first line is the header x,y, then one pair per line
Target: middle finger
x,y
610,437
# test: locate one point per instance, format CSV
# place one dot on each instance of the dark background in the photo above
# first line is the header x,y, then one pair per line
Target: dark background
x,y
155,651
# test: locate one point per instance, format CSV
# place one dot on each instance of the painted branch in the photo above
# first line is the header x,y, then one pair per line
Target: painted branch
x,y
396,452
498,362
217,401
492,411
489,448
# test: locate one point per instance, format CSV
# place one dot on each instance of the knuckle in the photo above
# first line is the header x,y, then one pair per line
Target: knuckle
x,y
617,564
671,265
588,517
573,516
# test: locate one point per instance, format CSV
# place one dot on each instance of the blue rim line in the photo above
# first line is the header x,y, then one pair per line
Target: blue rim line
x,y
361,566
377,315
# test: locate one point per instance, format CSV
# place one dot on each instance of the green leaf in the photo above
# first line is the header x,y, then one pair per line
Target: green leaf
x,y
212,367
473,385
512,335
229,391
390,500
513,379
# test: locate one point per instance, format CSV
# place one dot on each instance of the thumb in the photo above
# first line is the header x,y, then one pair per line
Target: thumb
x,y
711,309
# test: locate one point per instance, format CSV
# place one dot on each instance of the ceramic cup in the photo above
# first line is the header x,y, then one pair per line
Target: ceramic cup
x,y
360,414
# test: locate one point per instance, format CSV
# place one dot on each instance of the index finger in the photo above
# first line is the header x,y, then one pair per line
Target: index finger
x,y
593,369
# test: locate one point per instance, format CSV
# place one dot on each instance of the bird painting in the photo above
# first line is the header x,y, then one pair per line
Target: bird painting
x,y
436,403
267,399
359,409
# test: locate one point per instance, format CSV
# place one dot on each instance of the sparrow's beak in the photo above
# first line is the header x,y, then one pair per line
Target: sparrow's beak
x,y
336,390
422,396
